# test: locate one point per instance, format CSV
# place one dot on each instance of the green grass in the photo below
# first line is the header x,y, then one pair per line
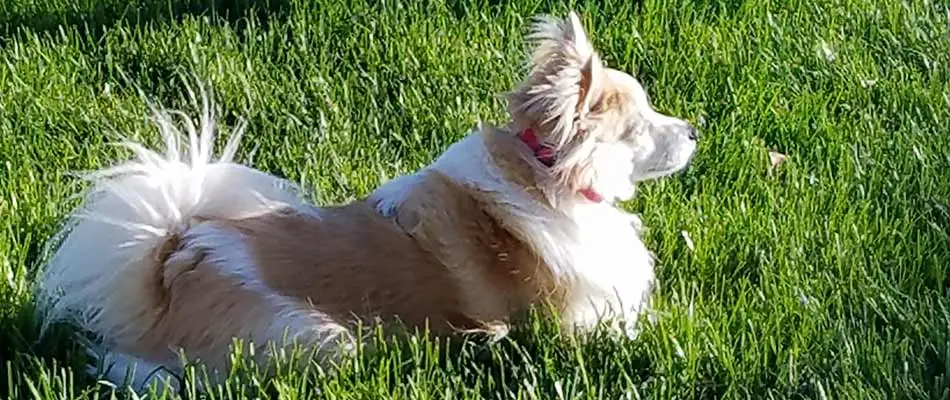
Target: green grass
x,y
827,278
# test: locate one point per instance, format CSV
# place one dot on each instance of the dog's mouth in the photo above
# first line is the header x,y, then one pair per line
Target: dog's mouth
x,y
669,163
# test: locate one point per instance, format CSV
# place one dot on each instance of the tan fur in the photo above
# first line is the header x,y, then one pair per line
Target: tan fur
x,y
186,321
516,162
188,256
443,261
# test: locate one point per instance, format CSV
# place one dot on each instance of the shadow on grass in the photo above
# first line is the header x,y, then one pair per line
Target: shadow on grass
x,y
534,361
52,364
92,20
535,357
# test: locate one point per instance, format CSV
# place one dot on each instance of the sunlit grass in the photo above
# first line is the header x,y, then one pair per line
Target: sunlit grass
x,y
824,277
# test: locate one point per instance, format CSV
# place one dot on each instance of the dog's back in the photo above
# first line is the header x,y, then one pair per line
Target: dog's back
x,y
179,251
182,252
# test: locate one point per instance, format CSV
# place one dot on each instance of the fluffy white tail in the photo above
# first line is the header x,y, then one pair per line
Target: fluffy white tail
x,y
106,273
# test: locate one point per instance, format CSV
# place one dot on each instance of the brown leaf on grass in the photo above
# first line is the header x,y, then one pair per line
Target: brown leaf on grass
x,y
776,159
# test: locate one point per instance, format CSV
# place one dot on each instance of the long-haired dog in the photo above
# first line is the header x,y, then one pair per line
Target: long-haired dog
x,y
186,251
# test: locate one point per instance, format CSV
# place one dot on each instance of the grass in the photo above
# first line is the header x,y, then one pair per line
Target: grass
x,y
827,278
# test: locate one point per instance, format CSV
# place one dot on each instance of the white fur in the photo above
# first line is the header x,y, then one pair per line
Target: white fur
x,y
96,276
562,58
468,163
660,144
566,78
394,192
593,247
294,322
221,247
131,371
597,243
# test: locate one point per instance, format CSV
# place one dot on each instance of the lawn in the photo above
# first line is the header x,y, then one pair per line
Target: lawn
x,y
826,277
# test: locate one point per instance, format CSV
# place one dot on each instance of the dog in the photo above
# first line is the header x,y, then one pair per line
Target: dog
x,y
182,250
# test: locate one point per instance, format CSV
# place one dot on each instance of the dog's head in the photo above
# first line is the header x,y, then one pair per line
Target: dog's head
x,y
605,134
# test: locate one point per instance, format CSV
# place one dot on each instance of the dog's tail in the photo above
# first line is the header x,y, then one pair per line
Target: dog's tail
x,y
107,268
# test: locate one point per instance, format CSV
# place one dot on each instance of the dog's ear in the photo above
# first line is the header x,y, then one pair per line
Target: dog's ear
x,y
592,71
564,83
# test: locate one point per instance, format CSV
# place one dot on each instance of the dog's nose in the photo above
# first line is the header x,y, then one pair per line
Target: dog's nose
x,y
692,132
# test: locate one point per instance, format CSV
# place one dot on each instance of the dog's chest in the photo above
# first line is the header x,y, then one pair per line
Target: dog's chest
x,y
610,245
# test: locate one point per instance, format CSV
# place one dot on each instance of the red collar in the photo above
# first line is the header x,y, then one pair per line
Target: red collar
x,y
546,154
